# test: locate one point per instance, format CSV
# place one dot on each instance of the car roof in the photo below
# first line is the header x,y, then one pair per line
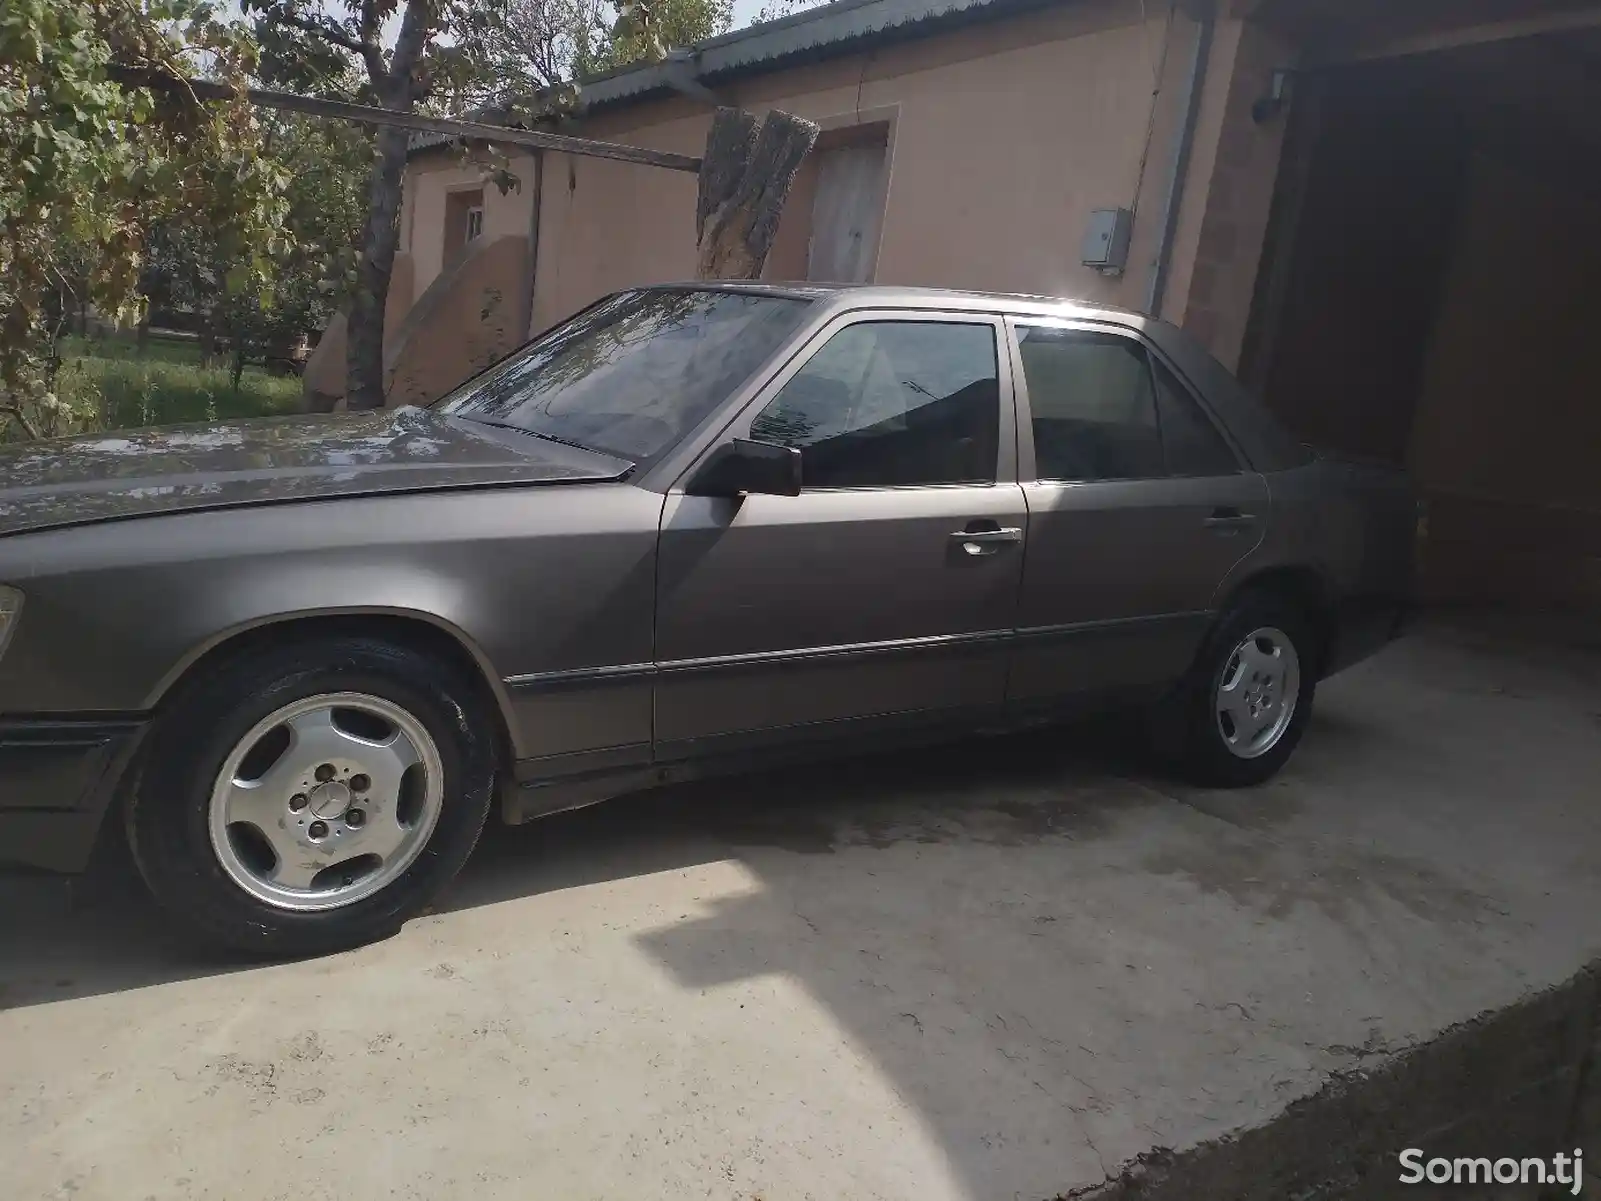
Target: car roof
x,y
896,296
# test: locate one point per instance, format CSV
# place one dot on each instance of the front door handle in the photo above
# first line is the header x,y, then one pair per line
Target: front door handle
x,y
988,541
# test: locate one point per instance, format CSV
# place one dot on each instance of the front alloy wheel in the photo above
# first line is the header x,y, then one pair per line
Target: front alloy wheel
x,y
312,796
326,801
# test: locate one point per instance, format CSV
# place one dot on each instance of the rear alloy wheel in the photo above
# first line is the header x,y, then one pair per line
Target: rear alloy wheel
x,y
1245,703
313,797
1256,694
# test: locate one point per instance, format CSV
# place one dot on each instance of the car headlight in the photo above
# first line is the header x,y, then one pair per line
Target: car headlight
x,y
10,606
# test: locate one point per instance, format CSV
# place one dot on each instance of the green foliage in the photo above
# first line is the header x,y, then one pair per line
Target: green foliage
x,y
327,163
311,260
105,385
776,10
646,29
337,48
93,167
526,59
340,45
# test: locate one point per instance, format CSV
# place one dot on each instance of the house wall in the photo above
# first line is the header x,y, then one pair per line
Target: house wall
x,y
322,382
474,313
1228,190
431,179
1003,138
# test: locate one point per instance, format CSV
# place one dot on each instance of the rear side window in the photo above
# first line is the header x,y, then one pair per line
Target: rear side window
x,y
1190,441
1092,404
888,404
1101,409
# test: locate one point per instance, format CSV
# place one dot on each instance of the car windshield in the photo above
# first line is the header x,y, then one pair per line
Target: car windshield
x,y
634,373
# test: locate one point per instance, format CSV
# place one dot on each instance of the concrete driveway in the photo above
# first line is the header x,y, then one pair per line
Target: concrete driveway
x,y
994,971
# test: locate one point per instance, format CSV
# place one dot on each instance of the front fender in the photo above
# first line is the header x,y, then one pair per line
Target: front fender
x,y
526,581
305,619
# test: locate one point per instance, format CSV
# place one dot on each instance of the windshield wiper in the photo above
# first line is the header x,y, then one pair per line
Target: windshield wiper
x,y
521,429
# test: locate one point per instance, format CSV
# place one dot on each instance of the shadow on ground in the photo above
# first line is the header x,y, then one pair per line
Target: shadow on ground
x,y
102,933
1056,957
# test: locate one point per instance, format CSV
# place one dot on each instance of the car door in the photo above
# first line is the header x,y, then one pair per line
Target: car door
x,y
886,590
1139,507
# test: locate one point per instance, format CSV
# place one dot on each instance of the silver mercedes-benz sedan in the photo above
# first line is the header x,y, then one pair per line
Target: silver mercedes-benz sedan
x,y
300,661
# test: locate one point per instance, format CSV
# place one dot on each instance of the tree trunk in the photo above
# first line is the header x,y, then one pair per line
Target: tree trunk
x,y
142,339
397,89
208,338
745,179
364,352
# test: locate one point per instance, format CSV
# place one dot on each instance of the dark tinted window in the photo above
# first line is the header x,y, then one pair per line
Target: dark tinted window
x,y
888,403
1092,405
636,372
1191,441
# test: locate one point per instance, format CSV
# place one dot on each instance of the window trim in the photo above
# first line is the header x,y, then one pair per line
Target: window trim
x,y
1028,464
1007,449
1210,418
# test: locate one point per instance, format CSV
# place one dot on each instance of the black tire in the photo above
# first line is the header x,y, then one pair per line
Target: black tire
x,y
193,735
1190,733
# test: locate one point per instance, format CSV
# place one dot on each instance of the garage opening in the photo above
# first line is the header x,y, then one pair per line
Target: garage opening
x,y
1431,296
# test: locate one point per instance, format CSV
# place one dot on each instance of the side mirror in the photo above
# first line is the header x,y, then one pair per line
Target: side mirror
x,y
743,466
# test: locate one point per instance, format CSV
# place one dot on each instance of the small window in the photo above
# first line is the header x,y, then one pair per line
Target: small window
x,y
1092,405
892,403
1192,443
475,223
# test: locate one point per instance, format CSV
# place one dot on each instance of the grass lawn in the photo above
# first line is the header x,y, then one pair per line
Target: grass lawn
x,y
113,388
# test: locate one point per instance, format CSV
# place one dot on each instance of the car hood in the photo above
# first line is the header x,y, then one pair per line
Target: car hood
x,y
139,473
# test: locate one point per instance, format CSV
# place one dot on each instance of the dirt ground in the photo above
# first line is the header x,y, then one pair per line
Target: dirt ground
x,y
997,970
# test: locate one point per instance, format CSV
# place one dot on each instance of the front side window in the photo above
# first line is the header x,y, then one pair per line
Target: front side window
x,y
636,372
889,404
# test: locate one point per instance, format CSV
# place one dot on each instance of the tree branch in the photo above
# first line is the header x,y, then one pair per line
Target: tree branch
x,y
367,51
369,21
16,414
409,46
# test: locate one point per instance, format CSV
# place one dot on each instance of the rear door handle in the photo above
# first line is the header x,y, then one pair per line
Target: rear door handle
x,y
987,542
1228,518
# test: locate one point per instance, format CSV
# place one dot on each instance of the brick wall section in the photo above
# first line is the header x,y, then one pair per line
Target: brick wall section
x,y
1232,179
1513,1083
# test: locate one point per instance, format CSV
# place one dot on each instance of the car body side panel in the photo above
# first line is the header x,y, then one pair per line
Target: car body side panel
x,y
1120,575
780,616
1353,526
139,553
781,611
546,586
1119,580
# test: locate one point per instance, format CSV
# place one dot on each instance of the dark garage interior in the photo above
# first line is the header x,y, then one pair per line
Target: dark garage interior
x,y
1430,295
